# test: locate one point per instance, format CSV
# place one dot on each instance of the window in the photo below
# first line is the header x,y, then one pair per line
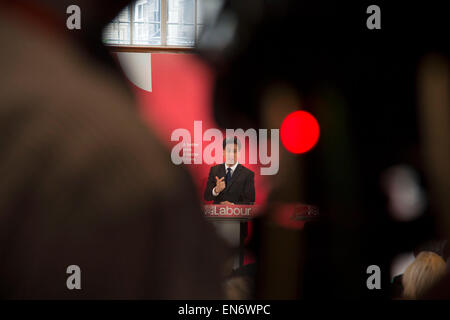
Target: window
x,y
160,23
180,22
118,31
145,28
139,11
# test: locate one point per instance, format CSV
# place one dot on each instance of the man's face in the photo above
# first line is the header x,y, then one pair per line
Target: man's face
x,y
231,154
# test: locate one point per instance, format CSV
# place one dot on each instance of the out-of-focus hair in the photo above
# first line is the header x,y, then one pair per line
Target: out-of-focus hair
x,y
238,288
426,270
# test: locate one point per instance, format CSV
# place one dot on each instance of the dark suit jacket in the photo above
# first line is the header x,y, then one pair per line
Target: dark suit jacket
x,y
241,188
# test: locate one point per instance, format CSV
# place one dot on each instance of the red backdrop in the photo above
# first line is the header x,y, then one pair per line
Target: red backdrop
x,y
181,93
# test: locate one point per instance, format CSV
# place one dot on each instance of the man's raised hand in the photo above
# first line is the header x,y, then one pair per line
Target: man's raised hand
x,y
220,185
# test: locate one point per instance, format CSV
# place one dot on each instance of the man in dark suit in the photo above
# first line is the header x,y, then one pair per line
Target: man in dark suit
x,y
230,182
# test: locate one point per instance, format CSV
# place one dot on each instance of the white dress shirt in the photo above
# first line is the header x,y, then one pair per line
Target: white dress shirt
x,y
231,174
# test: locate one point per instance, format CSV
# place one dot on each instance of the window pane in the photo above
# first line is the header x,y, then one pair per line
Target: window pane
x,y
140,22
124,16
200,12
207,10
180,35
147,33
180,11
147,22
118,31
180,22
148,11
199,30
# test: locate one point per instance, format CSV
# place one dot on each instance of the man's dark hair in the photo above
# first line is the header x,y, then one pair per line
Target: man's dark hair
x,y
234,140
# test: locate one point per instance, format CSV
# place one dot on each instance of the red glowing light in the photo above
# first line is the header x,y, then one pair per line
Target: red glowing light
x,y
299,132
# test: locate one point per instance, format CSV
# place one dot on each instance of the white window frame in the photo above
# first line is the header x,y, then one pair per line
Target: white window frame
x,y
163,28
136,15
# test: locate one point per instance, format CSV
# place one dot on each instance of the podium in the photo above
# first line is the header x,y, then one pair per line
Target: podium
x,y
231,223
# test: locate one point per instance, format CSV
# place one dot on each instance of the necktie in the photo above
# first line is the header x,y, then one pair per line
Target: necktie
x,y
228,177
